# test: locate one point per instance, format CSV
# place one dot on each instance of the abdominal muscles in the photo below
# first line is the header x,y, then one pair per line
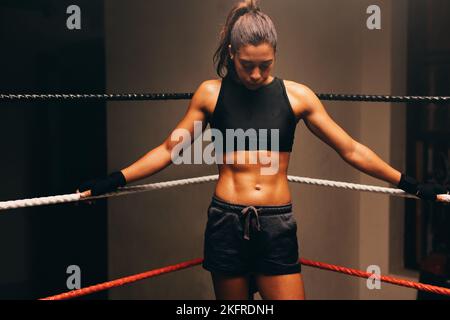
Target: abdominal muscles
x,y
254,178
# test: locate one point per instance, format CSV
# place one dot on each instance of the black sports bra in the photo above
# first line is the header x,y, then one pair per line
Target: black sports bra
x,y
263,118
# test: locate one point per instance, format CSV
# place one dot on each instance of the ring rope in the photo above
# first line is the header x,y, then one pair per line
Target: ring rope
x,y
187,96
387,279
123,281
315,264
14,204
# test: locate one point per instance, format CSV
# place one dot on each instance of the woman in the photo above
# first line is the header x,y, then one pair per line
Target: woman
x,y
251,229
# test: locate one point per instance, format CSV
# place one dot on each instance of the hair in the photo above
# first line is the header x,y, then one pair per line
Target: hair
x,y
245,24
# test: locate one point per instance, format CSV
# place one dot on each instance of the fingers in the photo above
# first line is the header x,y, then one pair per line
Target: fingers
x,y
85,194
443,198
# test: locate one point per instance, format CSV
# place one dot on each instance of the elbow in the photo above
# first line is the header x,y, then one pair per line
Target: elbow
x,y
167,149
350,152
171,150
167,146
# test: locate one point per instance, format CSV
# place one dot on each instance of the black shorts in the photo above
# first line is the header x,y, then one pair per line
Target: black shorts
x,y
244,240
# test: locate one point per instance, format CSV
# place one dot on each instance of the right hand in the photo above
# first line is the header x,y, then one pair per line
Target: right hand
x,y
84,194
101,186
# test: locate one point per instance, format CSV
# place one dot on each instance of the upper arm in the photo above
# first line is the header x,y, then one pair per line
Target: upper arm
x,y
320,123
198,110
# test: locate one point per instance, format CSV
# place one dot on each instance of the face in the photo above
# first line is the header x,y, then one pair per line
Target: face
x,y
254,64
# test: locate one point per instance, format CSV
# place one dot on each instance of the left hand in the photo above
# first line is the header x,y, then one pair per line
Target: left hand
x,y
429,191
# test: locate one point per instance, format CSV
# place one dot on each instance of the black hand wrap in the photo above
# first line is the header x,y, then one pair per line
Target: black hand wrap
x,y
104,185
426,191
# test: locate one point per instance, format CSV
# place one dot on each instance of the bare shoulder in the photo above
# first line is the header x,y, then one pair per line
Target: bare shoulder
x,y
209,87
300,96
298,89
208,91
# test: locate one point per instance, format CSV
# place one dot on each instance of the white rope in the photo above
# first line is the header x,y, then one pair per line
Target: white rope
x,y
156,186
174,183
351,186
33,202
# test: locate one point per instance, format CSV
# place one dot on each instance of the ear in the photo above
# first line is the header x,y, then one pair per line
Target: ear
x,y
230,52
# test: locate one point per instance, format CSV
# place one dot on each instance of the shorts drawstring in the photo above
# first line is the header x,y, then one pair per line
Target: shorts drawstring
x,y
245,212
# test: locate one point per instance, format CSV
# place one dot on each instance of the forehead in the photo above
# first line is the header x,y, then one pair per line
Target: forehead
x,y
261,52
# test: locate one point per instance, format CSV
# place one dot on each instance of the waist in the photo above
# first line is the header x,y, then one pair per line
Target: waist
x,y
252,189
262,209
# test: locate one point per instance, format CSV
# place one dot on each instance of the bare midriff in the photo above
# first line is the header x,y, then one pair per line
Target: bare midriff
x,y
245,184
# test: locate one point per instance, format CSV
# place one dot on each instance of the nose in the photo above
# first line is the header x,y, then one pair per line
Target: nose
x,y
255,76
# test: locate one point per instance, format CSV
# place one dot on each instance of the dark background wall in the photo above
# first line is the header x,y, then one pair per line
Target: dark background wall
x,y
48,148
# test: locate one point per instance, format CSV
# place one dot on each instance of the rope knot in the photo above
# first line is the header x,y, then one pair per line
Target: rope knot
x,y
247,213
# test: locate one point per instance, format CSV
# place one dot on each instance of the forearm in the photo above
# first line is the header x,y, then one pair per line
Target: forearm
x,y
365,160
151,163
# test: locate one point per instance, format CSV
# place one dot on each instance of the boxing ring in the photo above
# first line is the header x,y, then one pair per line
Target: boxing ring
x,y
6,206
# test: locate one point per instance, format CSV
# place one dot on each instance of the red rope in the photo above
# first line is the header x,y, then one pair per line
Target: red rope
x,y
123,281
192,263
362,274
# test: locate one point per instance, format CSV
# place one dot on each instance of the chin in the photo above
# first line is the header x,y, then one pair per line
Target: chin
x,y
253,85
